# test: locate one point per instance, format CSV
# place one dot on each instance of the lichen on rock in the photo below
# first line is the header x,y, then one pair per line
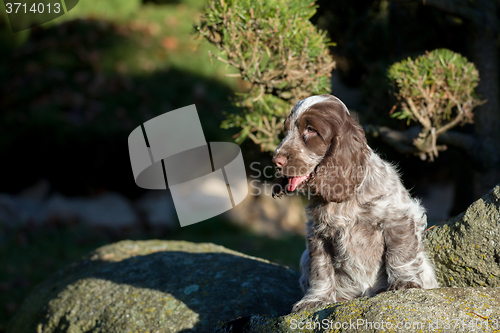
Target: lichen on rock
x,y
466,254
411,310
175,286
157,286
466,249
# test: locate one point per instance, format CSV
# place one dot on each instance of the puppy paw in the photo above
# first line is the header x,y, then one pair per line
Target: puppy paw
x,y
400,285
305,304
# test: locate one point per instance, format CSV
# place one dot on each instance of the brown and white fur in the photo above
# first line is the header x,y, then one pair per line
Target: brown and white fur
x,y
364,231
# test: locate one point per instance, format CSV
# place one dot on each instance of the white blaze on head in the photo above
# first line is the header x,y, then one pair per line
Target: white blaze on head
x,y
306,103
345,107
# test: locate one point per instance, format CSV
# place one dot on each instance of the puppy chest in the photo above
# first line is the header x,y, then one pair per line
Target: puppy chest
x,y
358,250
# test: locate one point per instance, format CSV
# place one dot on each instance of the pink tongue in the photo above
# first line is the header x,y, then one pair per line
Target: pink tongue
x,y
293,182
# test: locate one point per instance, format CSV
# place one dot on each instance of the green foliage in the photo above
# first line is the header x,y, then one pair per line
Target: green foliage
x,y
277,50
437,90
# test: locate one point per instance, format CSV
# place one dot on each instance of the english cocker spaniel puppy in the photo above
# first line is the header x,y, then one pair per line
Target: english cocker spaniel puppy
x,y
364,231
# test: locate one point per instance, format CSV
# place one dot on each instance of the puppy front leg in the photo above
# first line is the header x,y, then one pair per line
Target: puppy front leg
x,y
304,268
401,257
319,279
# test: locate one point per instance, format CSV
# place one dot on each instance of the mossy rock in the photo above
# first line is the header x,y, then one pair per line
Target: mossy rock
x,y
157,286
411,310
466,249
162,286
466,254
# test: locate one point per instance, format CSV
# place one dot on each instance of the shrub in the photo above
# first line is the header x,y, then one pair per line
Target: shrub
x,y
277,50
436,90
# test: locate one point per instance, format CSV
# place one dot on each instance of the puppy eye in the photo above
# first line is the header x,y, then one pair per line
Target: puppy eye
x,y
310,130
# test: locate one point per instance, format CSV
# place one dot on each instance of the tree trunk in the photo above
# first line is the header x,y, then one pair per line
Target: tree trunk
x,y
487,116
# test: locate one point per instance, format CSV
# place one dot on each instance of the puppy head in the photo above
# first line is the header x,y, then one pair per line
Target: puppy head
x,y
324,151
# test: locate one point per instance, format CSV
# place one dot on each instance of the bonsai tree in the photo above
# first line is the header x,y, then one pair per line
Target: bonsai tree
x,y
278,51
482,19
437,91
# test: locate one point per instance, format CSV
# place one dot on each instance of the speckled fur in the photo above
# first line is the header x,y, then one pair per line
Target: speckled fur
x,y
365,241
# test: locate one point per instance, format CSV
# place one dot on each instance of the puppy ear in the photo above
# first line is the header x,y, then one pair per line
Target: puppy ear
x,y
344,166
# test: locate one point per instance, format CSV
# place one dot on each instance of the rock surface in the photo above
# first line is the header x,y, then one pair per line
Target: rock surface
x,y
466,254
412,310
158,209
161,286
157,286
110,210
466,249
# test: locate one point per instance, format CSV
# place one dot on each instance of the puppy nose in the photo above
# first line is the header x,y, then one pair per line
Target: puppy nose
x,y
279,161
